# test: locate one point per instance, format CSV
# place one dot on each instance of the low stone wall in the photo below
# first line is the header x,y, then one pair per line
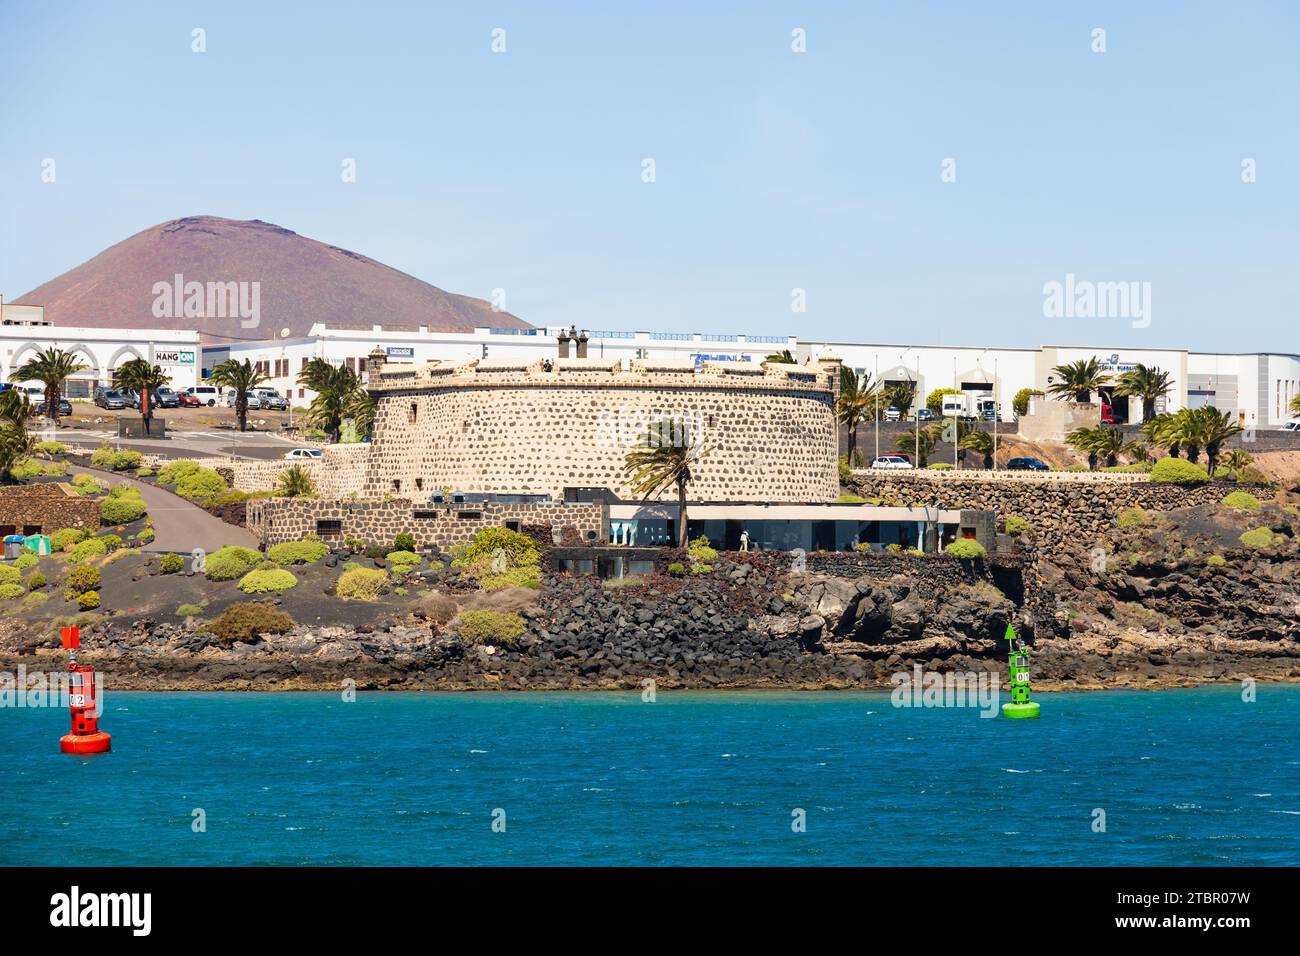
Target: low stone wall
x,y
1061,511
274,520
935,570
338,473
45,507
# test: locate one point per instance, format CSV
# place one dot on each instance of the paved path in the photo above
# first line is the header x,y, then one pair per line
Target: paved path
x,y
177,524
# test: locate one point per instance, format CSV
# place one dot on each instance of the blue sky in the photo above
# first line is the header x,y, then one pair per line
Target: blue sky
x,y
774,170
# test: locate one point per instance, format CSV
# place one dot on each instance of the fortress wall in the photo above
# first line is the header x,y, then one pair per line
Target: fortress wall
x,y
514,428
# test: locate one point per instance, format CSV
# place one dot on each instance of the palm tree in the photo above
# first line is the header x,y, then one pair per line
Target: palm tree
x,y
243,377
1237,460
361,412
1098,442
143,378
1137,450
1078,379
51,368
295,483
15,443
920,441
1163,430
1191,431
782,357
1215,428
1084,440
336,388
1147,382
663,458
1295,404
982,442
857,393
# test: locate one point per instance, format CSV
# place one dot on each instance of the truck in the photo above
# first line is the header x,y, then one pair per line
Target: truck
x,y
970,405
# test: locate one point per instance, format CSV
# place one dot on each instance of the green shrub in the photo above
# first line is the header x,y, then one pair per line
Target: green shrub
x,y
489,627
297,552
202,484
105,457
845,471
111,541
145,536
171,563
940,465
1241,499
246,620
1017,525
269,581
519,548
361,584
700,551
676,568
37,581
122,507
851,500
26,560
526,577
1134,468
88,600
10,574
409,558
86,485
26,469
1020,401
50,448
192,610
10,591
60,540
85,550
55,469
1132,518
174,471
1260,538
1216,561
230,562
966,548
1179,471
701,568
404,542
1250,475
144,473
83,578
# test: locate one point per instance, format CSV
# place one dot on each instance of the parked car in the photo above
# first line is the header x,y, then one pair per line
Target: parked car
x,y
165,397
65,407
270,398
1293,426
924,415
302,454
231,396
892,414
186,400
109,398
206,394
1027,464
130,396
891,461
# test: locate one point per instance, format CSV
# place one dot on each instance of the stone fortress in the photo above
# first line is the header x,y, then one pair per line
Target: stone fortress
x,y
541,426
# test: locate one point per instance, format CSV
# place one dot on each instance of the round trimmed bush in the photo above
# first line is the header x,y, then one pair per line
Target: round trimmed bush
x,y
404,542
37,581
85,550
171,563
50,448
1260,538
940,465
489,627
248,619
25,561
83,578
10,591
1241,499
968,549
122,509
105,457
1178,471
203,483
297,552
1216,561
88,600
174,471
9,574
1131,518
361,584
61,539
230,562
403,560
1017,525
268,581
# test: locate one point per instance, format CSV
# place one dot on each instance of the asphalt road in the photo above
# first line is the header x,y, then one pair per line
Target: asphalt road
x,y
177,524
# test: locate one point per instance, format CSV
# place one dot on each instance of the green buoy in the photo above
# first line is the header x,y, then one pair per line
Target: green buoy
x,y
1018,676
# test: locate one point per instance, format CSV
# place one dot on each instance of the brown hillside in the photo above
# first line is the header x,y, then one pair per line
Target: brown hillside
x,y
302,281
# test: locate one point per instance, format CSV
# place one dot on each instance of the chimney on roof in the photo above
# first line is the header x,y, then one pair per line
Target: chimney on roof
x,y
564,343
582,344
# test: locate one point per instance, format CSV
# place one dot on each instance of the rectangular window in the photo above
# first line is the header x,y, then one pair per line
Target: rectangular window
x,y
329,526
426,515
361,365
512,525
352,364
31,529
469,515
414,413
304,362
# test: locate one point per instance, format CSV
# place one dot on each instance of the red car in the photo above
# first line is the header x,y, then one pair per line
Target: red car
x,y
189,401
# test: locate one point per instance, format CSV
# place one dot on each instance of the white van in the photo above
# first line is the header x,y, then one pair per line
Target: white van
x,y
207,394
1292,426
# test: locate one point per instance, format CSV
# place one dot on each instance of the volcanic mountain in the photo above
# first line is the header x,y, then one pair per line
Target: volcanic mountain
x,y
199,273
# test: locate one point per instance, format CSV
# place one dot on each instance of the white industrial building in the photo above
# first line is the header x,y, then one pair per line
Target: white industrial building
x,y
1256,387
24,332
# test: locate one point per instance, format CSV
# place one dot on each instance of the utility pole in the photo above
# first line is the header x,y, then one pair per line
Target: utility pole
x,y
997,407
877,384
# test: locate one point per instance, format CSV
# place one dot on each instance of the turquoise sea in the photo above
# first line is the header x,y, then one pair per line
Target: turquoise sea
x,y
1185,777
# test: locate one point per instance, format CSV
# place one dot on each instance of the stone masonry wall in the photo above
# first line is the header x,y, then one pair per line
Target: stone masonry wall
x,y
537,428
1067,511
48,506
275,520
340,471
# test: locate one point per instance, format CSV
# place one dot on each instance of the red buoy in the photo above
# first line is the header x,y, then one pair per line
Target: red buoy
x,y
85,736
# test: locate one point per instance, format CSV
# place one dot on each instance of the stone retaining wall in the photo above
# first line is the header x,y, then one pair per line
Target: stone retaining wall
x,y
46,507
275,520
1065,511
